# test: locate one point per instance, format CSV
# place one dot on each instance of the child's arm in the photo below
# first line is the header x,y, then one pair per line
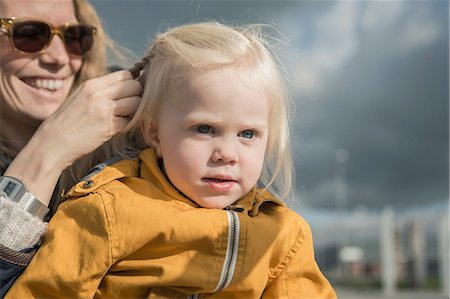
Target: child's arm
x,y
74,257
301,276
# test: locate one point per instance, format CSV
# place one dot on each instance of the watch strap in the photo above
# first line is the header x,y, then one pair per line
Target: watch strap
x,y
33,206
25,199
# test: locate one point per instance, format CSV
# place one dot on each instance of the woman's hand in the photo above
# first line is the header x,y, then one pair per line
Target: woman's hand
x,y
95,112
99,109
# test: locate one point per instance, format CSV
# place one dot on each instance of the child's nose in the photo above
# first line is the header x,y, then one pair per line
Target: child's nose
x,y
225,152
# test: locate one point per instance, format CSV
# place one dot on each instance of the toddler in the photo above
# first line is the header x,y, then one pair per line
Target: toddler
x,y
198,213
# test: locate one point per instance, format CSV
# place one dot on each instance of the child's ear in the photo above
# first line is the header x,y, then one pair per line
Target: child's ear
x,y
150,133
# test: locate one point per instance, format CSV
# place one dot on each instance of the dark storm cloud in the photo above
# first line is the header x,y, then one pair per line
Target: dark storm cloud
x,y
387,105
369,77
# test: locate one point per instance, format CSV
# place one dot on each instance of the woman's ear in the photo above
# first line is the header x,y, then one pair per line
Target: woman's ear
x,y
150,133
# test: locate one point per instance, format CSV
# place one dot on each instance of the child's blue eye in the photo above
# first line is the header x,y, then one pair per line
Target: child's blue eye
x,y
203,129
249,134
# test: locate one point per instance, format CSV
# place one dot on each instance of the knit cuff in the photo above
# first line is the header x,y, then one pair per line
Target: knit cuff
x,y
18,228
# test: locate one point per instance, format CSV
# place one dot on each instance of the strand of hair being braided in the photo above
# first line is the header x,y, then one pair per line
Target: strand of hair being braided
x,y
137,68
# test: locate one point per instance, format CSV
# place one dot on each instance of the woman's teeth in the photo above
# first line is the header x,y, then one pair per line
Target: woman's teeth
x,y
49,84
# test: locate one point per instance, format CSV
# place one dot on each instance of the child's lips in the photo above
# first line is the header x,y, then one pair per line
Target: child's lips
x,y
220,184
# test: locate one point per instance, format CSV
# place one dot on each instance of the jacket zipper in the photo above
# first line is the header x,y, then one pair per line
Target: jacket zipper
x,y
231,254
232,251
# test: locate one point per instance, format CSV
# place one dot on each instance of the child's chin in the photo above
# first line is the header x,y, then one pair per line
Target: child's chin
x,y
216,203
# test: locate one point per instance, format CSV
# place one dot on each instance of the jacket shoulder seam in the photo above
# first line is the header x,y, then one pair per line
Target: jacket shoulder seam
x,y
111,219
285,261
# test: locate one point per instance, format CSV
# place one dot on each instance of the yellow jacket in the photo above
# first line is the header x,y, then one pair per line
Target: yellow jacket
x,y
127,232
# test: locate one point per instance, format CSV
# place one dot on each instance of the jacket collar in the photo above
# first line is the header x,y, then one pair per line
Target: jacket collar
x,y
150,170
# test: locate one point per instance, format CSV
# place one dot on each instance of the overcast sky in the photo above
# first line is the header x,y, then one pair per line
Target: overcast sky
x,y
370,84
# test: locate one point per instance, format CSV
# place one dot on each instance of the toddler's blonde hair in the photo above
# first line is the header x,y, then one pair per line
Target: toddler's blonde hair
x,y
188,49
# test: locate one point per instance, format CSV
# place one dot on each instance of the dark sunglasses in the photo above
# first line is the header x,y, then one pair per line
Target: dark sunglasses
x,y
32,36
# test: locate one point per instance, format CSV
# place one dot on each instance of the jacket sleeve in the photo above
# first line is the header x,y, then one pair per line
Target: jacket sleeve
x,y
298,275
74,256
12,264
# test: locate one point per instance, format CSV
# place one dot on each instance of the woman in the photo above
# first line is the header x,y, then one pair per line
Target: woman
x,y
51,117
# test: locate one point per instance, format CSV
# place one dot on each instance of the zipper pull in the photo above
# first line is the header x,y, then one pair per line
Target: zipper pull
x,y
235,208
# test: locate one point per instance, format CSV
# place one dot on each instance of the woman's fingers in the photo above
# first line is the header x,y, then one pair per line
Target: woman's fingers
x,y
115,77
119,85
126,107
123,89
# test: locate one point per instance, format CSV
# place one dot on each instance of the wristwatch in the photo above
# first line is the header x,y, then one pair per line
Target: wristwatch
x,y
17,192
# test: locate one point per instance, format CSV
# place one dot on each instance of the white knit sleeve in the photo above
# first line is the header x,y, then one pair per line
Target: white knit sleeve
x,y
18,228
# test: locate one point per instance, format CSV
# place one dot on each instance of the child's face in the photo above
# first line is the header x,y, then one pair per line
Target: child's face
x,y
212,136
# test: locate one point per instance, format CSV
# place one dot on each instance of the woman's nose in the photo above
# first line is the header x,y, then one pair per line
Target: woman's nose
x,y
55,53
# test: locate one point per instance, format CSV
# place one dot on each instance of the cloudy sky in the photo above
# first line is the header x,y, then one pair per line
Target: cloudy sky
x,y
371,88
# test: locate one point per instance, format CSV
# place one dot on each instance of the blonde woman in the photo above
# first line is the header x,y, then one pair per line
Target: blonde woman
x,y
52,114
199,213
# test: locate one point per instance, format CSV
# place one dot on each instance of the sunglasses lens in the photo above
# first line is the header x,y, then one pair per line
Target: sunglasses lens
x,y
79,39
30,36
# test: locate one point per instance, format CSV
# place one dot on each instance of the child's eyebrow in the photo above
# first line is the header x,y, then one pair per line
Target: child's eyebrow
x,y
201,118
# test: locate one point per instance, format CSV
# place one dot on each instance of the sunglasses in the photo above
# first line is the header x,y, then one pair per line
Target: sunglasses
x,y
31,36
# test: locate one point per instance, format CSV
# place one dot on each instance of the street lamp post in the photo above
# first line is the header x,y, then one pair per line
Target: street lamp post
x,y
341,198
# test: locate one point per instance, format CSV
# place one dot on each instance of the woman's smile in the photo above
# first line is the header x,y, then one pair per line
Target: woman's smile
x,y
49,84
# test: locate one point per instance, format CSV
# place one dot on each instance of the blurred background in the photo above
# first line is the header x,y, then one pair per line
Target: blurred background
x,y
370,83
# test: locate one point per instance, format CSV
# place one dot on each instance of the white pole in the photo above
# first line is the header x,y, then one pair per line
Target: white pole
x,y
444,252
418,250
388,259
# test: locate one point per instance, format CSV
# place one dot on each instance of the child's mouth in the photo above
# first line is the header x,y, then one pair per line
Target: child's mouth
x,y
220,184
218,180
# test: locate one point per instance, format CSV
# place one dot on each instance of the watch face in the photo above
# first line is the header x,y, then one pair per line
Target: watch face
x,y
12,188
9,188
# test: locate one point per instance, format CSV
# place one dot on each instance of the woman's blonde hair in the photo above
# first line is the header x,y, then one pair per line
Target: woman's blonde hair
x,y
182,51
93,66
94,62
